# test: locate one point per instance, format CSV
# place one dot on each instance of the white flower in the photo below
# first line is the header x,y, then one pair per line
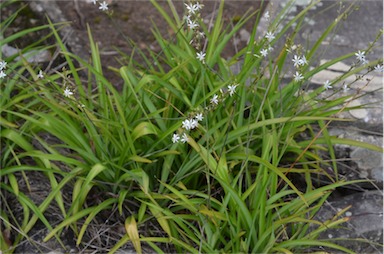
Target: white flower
x,y
200,56
231,89
40,75
266,15
303,60
264,52
67,92
2,74
94,1
215,100
270,48
296,61
379,68
194,123
198,6
187,18
270,36
360,55
175,138
191,8
103,6
345,88
199,117
192,24
298,76
184,138
3,64
327,85
186,124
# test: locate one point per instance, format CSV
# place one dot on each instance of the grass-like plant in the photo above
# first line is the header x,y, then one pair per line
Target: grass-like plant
x,y
204,154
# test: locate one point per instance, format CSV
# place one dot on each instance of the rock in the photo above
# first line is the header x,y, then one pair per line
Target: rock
x,y
374,83
360,113
33,56
50,8
365,224
369,164
360,163
244,35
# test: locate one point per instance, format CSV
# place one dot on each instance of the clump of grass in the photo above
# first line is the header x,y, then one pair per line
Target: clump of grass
x,y
188,145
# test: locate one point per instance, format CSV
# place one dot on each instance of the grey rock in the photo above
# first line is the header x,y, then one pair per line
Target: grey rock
x,y
32,56
244,35
68,34
360,163
364,230
370,163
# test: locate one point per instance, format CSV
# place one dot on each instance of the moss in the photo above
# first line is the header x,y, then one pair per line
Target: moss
x,y
236,18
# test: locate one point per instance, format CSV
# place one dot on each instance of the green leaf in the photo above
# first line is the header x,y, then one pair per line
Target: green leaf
x,y
144,128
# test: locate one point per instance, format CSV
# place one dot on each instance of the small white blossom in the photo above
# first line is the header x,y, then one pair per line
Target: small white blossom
x,y
2,74
40,75
186,124
198,6
200,56
327,85
184,138
215,100
379,68
345,88
264,52
187,18
266,15
270,48
3,64
231,89
296,61
360,55
199,117
298,76
194,123
270,36
192,24
303,60
191,8
67,92
175,138
94,1
103,6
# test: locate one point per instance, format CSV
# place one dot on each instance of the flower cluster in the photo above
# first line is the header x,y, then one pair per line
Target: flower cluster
x,y
360,56
193,15
299,61
270,36
192,20
3,64
192,122
188,124
102,6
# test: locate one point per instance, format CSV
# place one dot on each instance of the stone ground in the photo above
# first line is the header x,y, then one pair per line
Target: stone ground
x,y
354,33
